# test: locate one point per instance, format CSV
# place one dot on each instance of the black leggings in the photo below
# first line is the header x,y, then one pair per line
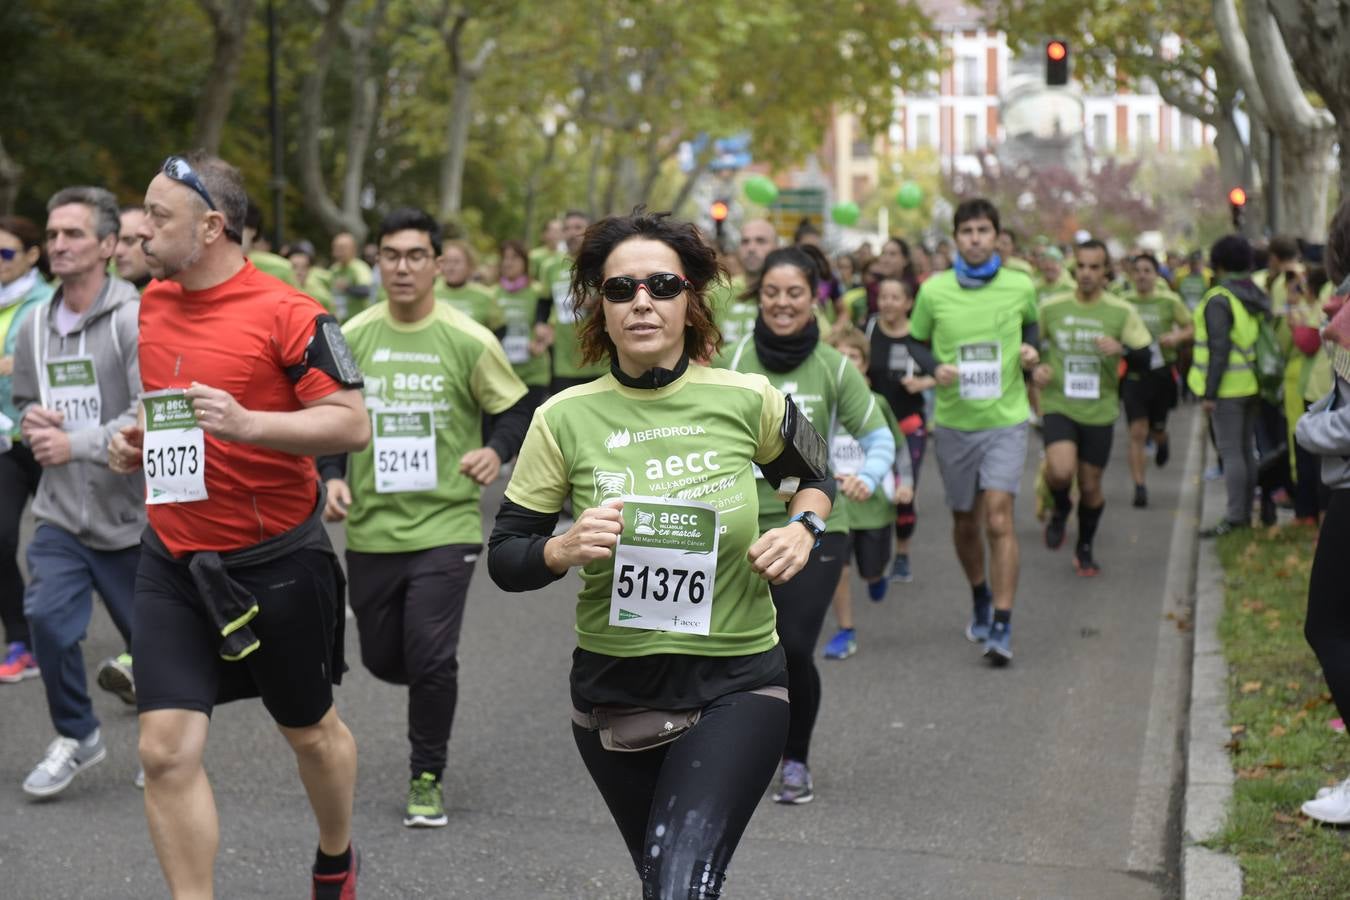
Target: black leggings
x,y
1327,629
905,517
802,604
683,807
19,474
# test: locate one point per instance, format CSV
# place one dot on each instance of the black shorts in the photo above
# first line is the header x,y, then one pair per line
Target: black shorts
x,y
1150,396
871,549
299,624
1094,441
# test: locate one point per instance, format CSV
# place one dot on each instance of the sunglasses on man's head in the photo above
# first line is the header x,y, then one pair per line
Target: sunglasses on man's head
x,y
661,286
8,254
178,169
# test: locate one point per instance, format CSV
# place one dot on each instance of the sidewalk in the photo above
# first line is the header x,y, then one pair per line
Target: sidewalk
x,y
1207,874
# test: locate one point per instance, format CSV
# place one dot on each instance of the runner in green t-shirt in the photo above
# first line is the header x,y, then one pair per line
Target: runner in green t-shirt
x,y
567,315
734,310
525,335
457,287
549,240
871,514
1083,337
674,623
785,347
980,319
1149,396
352,279
410,500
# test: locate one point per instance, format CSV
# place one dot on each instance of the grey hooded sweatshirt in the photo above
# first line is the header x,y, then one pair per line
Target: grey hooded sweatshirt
x,y
1325,431
101,509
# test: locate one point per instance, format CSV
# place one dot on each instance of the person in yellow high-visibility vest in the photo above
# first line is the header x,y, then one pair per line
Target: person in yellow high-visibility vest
x,y
1223,373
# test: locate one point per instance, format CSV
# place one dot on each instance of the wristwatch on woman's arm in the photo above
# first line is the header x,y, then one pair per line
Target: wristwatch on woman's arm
x,y
813,523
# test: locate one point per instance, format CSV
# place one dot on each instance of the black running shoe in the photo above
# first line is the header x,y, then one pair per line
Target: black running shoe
x,y
1162,454
1054,531
1140,496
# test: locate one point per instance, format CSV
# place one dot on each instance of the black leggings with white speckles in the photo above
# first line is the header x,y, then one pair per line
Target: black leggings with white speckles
x,y
683,807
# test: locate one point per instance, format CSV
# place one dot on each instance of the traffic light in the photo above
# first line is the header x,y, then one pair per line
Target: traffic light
x,y
1237,204
1056,63
718,211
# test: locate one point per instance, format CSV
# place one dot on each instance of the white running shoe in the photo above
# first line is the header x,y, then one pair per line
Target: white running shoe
x,y
1331,805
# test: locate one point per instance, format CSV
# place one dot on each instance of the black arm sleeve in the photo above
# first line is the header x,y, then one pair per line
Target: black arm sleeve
x,y
923,356
509,427
1031,334
330,467
541,309
516,548
1219,326
1138,360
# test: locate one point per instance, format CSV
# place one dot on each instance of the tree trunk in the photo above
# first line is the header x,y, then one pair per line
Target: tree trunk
x,y
229,23
532,184
465,74
313,187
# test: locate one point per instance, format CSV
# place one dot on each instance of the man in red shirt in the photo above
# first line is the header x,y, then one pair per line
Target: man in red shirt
x,y
246,380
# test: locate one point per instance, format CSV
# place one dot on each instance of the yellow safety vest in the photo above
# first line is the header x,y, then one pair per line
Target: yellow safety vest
x,y
1239,378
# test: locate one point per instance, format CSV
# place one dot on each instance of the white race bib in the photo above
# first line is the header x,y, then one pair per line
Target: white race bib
x,y
174,450
517,347
405,450
1082,378
979,369
562,303
72,389
846,455
665,566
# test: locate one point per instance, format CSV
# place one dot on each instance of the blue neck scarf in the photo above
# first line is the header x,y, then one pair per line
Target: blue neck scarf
x,y
969,276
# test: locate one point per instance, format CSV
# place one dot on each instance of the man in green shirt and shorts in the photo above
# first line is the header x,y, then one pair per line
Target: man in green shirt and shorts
x,y
980,319
1149,396
410,499
1083,336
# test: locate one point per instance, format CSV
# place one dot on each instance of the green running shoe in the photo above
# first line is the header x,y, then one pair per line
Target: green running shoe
x,y
426,808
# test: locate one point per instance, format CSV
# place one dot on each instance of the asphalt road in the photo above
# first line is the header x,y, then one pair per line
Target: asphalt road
x,y
936,776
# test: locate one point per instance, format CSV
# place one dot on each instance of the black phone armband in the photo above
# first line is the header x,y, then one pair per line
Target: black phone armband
x,y
328,352
805,456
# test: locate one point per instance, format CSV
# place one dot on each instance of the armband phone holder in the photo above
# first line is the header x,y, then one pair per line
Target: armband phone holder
x,y
805,453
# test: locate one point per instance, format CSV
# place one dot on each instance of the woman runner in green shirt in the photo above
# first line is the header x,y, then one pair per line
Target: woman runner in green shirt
x,y
677,660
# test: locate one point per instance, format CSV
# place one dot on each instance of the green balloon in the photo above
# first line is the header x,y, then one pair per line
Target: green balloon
x,y
845,213
909,196
761,189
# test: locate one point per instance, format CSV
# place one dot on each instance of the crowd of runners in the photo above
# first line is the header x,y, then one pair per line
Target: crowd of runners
x,y
713,437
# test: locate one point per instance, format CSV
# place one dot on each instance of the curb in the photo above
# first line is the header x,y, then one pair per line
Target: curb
x,y
1207,874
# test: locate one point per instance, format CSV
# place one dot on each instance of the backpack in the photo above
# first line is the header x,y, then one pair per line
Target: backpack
x,y
1269,363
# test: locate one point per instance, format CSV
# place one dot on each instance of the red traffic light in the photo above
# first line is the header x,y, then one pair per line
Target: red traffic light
x,y
1237,196
719,210
1056,50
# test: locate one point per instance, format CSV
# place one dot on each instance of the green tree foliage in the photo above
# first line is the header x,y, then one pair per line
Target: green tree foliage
x,y
580,103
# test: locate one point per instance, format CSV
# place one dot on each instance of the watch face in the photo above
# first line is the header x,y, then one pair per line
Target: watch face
x,y
814,522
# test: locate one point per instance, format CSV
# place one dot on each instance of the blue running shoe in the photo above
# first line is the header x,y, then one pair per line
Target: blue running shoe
x,y
843,645
998,645
876,590
795,784
978,629
900,569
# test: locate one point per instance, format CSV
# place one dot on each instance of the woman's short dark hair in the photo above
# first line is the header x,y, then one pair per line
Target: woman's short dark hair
x,y
515,247
702,339
30,235
790,256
